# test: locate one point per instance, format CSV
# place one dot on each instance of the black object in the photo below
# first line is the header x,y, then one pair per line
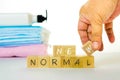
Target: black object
x,y
41,18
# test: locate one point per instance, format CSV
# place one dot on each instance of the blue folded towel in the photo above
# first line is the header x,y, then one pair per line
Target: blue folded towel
x,y
12,36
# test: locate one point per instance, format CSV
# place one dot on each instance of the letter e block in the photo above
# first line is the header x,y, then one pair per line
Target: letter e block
x,y
69,50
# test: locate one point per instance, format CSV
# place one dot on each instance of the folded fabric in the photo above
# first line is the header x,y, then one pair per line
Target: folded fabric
x,y
13,36
23,51
23,41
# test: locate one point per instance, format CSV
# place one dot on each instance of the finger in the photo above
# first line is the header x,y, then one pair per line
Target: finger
x,y
82,30
101,49
109,31
96,36
89,32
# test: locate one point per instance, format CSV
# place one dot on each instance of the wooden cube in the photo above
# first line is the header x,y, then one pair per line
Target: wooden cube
x,y
77,62
66,62
88,62
55,62
69,50
32,61
58,50
87,47
64,50
43,61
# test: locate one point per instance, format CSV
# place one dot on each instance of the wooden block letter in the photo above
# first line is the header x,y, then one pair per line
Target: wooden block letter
x,y
32,61
64,50
87,47
77,62
58,50
88,62
55,62
69,50
66,62
43,61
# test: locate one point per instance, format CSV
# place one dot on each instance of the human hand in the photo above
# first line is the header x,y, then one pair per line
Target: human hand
x,y
93,15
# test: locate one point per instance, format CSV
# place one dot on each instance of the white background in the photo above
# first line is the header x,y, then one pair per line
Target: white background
x,y
62,23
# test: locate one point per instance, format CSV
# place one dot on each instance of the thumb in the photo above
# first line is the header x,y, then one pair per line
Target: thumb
x,y
96,36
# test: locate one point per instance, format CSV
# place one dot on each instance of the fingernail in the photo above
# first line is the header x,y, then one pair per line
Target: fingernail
x,y
112,39
95,45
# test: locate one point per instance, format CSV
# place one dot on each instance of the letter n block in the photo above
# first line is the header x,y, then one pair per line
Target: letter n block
x,y
55,62
32,62
88,62
43,61
64,50
87,47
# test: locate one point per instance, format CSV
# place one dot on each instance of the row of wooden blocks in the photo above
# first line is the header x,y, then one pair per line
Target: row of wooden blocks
x,y
64,56
60,62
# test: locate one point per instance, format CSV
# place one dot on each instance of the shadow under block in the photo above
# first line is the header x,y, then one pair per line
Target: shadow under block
x,y
62,50
87,47
60,62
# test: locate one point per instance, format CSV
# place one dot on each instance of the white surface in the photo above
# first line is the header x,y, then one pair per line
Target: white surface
x,y
107,68
62,22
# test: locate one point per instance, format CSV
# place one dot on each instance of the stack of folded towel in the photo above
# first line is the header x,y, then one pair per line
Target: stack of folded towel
x,y
19,38
23,40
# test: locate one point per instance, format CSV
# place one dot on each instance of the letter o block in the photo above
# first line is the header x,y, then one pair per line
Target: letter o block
x,y
43,61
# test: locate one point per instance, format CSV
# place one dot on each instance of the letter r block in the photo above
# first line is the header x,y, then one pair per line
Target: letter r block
x,y
55,62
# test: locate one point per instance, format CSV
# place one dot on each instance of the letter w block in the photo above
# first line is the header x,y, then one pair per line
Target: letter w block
x,y
87,47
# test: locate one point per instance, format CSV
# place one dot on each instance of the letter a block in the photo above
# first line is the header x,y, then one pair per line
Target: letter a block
x,y
77,62
43,61
32,61
87,47
64,50
55,62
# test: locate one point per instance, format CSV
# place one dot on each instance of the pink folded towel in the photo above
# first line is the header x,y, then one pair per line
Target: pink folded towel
x,y
23,51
